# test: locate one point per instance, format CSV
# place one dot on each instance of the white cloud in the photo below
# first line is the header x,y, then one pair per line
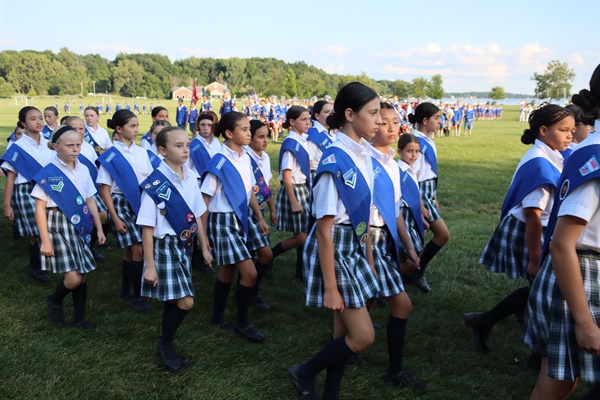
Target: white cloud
x,y
7,40
577,60
533,55
433,48
335,50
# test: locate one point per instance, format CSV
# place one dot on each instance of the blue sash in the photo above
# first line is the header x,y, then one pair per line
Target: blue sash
x,y
66,196
319,138
583,166
412,196
233,186
90,166
47,132
122,172
23,162
148,137
352,189
290,144
11,137
383,198
200,156
534,173
154,159
566,153
261,189
88,138
429,155
178,213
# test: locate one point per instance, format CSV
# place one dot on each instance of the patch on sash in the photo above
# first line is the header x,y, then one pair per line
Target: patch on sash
x,y
193,228
156,182
85,210
564,189
424,148
360,228
56,183
184,235
297,146
376,171
14,157
190,217
589,167
164,191
110,156
220,163
42,181
75,219
148,186
350,178
363,240
79,200
329,160
88,238
324,143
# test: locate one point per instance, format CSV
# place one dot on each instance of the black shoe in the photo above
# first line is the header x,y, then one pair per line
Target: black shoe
x,y
105,246
474,321
422,285
139,304
39,275
97,256
185,363
170,361
56,314
404,379
259,303
357,361
249,332
306,387
222,325
85,325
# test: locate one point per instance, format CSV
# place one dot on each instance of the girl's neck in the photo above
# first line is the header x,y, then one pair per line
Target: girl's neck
x,y
383,148
94,127
424,131
34,135
348,131
69,163
233,146
176,167
53,126
257,152
407,163
125,141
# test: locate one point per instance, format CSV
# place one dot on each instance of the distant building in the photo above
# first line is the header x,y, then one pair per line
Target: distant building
x,y
216,90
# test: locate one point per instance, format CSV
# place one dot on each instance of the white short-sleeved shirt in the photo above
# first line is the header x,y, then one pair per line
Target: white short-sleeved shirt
x,y
327,201
10,143
101,137
40,152
541,197
80,176
137,158
314,149
264,163
144,144
149,214
421,166
288,160
391,167
87,150
212,186
213,147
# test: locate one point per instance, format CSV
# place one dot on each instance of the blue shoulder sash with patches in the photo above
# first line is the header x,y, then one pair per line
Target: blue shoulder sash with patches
x,y
566,153
383,198
412,196
23,162
319,138
200,156
352,188
88,138
261,189
122,172
582,166
534,173
47,132
177,212
233,186
429,155
296,148
66,196
154,159
90,166
148,137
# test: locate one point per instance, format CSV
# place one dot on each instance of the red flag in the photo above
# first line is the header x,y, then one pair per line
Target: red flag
x,y
195,93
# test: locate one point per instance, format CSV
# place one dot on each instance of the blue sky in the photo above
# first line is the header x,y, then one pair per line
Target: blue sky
x,y
474,45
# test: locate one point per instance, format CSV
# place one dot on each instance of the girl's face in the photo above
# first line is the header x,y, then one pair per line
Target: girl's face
x,y
130,130
19,132
50,117
205,128
91,118
430,124
581,132
178,148
301,124
366,122
325,112
34,122
389,129
155,132
163,115
241,134
260,140
559,135
68,146
79,126
409,153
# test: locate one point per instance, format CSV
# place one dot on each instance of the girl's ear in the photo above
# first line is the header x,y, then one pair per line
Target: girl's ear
x,y
228,134
119,129
349,114
543,130
162,151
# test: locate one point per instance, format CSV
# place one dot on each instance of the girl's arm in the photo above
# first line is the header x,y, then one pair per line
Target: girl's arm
x,y
202,241
286,176
369,250
42,223
533,236
150,275
331,296
273,211
107,199
413,258
204,217
262,225
8,192
91,205
568,276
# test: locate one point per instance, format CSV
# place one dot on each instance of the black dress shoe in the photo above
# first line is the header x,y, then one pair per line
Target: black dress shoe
x,y
404,379
259,303
304,386
169,358
474,321
56,313
97,256
422,285
39,275
140,304
249,332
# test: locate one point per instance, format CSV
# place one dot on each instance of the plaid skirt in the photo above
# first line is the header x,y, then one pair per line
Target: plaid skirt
x,y
428,189
227,238
388,274
288,221
507,251
256,239
173,267
356,281
70,251
99,203
550,328
23,206
412,230
126,214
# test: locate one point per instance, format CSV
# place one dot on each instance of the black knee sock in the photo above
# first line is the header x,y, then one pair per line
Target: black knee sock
x,y
333,381
137,270
172,318
79,298
94,239
336,352
594,394
125,278
243,295
34,257
260,272
428,253
299,264
511,304
277,250
220,294
396,333
60,292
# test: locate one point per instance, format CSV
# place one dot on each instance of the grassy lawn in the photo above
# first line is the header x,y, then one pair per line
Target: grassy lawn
x,y
118,360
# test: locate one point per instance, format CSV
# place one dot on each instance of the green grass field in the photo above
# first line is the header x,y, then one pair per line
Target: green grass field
x,y
118,360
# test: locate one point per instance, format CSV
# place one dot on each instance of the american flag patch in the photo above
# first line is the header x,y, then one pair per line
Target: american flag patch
x,y
590,166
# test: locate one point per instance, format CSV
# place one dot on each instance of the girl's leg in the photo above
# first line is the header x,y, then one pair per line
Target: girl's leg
x,y
262,264
174,313
70,282
220,294
441,235
138,303
79,299
547,388
126,274
244,292
35,264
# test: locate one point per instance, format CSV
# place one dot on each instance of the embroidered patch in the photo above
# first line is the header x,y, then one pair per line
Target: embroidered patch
x,y
185,235
220,164
564,189
164,191
376,171
262,204
156,182
88,238
297,146
363,240
589,167
424,148
85,210
75,219
193,228
14,157
163,211
255,189
329,160
350,178
360,228
110,156
79,200
91,219
148,186
189,217
42,181
56,183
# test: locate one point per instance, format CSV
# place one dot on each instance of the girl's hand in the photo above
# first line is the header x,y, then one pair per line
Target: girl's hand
x,y
413,259
425,213
333,300
8,213
425,225
297,208
47,250
588,338
120,226
208,259
150,275
274,217
264,228
533,268
101,238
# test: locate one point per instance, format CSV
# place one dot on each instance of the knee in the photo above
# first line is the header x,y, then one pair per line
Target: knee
x,y
103,217
73,280
265,255
442,237
362,340
136,252
186,303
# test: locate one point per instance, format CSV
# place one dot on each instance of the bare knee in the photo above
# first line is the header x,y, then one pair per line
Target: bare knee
x,y
265,255
362,340
73,279
400,305
186,303
136,252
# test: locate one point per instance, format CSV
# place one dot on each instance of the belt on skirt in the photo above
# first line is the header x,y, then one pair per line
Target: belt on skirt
x,y
588,253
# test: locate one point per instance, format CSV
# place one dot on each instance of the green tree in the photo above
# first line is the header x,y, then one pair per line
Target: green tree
x,y
497,93
6,89
311,84
434,88
401,88
555,82
291,89
128,78
418,87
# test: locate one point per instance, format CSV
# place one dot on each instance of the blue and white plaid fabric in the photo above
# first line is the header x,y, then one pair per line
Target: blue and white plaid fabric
x,y
126,214
428,189
227,238
388,274
288,221
23,206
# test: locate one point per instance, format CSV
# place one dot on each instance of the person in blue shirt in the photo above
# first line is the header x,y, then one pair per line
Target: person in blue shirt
x,y
206,106
469,118
127,106
108,109
228,104
182,114
81,108
193,119
118,106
